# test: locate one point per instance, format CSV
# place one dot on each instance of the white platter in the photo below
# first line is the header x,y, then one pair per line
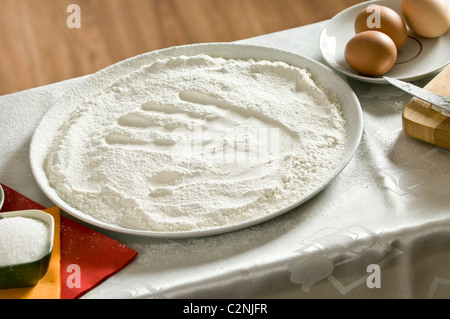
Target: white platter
x,y
56,115
418,58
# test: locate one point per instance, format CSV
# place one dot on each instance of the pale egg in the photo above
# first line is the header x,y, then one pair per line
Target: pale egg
x,y
371,53
427,18
383,19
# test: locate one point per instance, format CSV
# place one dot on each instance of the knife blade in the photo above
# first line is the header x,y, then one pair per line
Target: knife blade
x,y
439,101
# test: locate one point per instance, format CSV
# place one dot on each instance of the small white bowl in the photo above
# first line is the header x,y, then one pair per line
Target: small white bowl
x,y
28,274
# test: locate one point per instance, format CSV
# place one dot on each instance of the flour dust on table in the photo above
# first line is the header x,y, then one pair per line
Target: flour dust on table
x,y
194,142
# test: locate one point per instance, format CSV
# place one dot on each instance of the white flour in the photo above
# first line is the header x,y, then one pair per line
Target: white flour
x,y
191,143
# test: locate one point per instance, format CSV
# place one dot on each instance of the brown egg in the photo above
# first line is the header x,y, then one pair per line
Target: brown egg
x,y
427,18
371,53
383,19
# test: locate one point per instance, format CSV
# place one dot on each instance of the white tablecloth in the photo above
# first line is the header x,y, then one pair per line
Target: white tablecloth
x,y
380,230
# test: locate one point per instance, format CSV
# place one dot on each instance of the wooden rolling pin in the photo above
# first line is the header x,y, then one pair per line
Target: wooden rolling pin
x,y
424,123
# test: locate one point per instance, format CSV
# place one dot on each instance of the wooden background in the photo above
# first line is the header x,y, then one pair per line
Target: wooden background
x,y
37,47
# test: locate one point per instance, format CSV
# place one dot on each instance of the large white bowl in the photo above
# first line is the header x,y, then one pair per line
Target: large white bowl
x,y
55,117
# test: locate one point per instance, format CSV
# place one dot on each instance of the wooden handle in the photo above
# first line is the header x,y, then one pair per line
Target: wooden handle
x,y
422,122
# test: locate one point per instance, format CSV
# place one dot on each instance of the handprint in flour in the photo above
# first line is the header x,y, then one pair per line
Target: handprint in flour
x,y
203,128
